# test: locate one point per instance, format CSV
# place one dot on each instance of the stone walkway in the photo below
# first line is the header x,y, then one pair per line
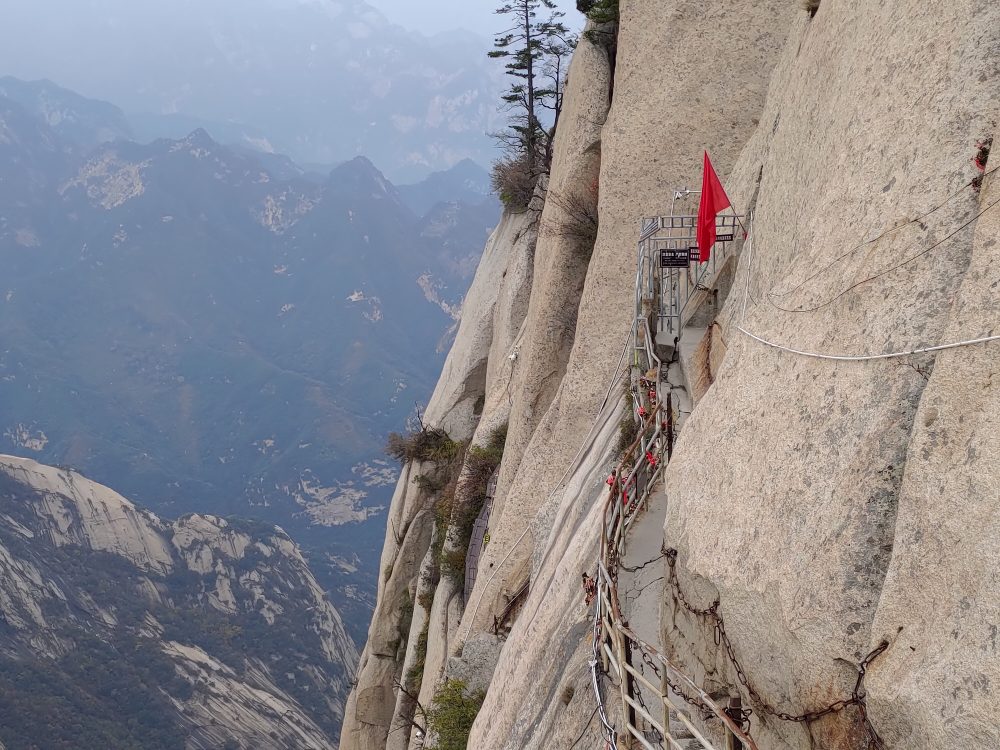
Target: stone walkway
x,y
642,581
641,586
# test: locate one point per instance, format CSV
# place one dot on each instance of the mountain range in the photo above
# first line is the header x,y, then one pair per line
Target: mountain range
x,y
120,629
209,330
320,80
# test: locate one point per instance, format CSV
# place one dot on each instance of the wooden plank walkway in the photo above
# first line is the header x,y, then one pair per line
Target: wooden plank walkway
x,y
479,528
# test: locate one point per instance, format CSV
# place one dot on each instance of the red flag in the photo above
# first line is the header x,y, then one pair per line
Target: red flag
x,y
713,200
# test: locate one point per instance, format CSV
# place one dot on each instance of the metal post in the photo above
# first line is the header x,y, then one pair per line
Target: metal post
x,y
606,614
630,681
670,426
735,712
665,692
627,711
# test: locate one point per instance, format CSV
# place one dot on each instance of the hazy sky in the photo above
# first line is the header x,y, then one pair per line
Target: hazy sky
x,y
439,15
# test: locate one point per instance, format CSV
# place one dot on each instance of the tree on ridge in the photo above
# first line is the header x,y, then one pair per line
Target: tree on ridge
x,y
536,48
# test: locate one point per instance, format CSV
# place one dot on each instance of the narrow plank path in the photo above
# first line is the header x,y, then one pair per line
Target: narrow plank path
x,y
642,579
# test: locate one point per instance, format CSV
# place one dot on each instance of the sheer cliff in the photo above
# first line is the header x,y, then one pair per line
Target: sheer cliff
x,y
119,629
828,504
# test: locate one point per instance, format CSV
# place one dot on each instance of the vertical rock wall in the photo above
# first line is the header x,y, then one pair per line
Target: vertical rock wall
x,y
938,685
467,393
798,483
828,505
652,141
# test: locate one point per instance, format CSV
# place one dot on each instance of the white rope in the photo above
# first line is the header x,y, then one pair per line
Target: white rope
x,y
844,357
610,735
870,357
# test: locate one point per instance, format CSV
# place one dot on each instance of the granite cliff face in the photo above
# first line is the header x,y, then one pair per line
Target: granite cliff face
x,y
829,505
120,629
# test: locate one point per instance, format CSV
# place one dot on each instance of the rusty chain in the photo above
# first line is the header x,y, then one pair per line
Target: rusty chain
x,y
874,741
619,482
712,611
653,733
707,714
857,697
647,659
741,716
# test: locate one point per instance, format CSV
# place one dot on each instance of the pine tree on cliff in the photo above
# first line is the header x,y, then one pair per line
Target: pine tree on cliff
x,y
536,48
599,11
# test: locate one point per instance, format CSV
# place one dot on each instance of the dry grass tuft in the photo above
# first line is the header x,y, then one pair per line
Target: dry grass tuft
x,y
513,179
578,222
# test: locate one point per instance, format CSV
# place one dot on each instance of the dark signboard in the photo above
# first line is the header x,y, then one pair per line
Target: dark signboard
x,y
674,258
723,238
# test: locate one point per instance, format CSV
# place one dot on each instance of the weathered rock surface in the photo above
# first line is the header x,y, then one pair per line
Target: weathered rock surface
x,y
212,633
471,395
647,146
792,489
85,513
562,258
492,313
937,686
828,505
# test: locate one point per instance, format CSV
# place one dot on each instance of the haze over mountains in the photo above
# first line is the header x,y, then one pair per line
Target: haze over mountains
x,y
217,302
320,80
207,330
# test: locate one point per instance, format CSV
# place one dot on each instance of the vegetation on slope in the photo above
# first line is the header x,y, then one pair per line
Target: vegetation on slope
x,y
455,479
452,714
469,499
536,47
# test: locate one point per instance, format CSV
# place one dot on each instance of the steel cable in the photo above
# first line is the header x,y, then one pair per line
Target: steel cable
x,y
872,241
884,272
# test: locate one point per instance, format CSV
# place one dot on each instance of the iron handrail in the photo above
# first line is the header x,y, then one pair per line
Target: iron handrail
x,y
684,286
611,632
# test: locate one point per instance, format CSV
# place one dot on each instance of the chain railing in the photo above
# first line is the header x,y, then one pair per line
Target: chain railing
x,y
711,613
615,642
668,296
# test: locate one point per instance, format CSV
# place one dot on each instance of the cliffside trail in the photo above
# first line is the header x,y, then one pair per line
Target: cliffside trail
x,y
819,507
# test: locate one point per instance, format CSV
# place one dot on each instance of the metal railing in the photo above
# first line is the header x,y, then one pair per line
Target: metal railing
x,y
674,292
614,640
480,528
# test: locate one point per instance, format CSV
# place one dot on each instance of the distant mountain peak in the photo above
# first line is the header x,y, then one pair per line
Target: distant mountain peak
x,y
466,164
362,162
466,181
360,174
199,138
85,122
